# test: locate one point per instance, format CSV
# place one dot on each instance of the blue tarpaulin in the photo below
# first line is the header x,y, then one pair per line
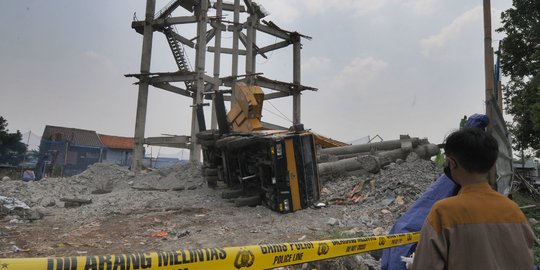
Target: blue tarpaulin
x,y
413,220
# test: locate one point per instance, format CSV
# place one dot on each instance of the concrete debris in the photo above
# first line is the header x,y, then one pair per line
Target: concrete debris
x,y
371,157
378,231
12,203
333,222
119,211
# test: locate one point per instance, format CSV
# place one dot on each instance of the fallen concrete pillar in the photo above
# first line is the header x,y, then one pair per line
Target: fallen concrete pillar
x,y
366,163
426,151
373,163
405,142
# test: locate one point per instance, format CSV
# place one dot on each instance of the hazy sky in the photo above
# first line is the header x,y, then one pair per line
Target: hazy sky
x,y
385,67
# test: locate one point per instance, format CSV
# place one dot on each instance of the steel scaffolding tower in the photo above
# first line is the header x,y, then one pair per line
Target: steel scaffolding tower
x,y
196,84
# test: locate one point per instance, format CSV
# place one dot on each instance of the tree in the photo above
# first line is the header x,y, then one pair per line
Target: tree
x,y
520,60
12,150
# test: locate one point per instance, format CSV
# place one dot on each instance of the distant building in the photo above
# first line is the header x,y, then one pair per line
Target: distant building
x,y
529,169
67,151
161,162
118,150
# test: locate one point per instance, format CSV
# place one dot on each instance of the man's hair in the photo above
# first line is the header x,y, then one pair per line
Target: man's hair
x,y
473,149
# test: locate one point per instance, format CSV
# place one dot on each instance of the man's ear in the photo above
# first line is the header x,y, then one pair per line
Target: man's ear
x,y
452,163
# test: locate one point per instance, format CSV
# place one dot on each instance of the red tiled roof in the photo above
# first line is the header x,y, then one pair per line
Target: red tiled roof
x,y
117,142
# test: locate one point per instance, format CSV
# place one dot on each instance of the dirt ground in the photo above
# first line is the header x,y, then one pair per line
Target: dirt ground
x,y
109,210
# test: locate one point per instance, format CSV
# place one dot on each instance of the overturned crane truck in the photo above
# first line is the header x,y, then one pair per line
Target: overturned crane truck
x,y
274,168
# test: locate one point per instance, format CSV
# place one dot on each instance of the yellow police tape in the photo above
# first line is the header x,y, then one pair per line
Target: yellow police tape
x,y
263,256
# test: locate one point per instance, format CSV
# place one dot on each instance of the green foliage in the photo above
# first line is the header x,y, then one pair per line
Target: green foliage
x,y
523,198
440,159
520,60
11,148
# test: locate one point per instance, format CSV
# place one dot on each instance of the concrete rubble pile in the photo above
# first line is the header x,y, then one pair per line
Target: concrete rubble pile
x,y
359,202
101,189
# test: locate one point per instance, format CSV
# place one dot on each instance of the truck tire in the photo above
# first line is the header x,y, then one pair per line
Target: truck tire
x,y
230,194
207,143
247,201
211,172
240,142
222,143
206,135
211,181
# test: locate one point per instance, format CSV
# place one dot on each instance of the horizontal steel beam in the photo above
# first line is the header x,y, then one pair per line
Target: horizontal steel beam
x,y
171,77
212,80
172,141
177,20
230,7
275,95
174,89
271,31
275,46
226,50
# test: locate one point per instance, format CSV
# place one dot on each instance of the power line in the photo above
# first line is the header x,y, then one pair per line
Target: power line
x,y
283,115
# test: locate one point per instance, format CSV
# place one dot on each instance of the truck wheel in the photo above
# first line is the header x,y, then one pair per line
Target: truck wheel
x,y
211,172
211,181
207,143
230,194
206,135
222,143
240,142
247,201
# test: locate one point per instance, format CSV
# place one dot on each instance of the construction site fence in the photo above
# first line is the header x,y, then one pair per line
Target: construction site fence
x,y
263,256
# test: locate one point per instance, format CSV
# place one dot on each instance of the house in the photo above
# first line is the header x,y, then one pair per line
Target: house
x,y
67,151
118,150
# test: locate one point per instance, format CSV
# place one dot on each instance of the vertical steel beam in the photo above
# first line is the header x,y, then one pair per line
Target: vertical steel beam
x,y
217,58
142,100
200,58
249,48
237,28
297,47
254,22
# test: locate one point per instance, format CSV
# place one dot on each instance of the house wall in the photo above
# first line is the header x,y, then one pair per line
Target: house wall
x,y
117,156
79,158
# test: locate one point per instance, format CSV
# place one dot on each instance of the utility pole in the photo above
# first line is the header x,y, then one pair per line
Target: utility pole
x,y
488,69
488,54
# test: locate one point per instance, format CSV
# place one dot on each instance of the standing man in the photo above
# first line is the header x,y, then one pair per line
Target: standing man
x,y
414,218
478,228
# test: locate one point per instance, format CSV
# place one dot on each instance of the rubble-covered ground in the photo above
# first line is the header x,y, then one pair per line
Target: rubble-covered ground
x,y
109,210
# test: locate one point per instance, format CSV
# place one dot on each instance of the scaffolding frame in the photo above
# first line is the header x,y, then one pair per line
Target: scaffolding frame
x,y
199,86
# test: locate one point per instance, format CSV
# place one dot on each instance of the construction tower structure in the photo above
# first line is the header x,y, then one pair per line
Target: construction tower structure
x,y
194,82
